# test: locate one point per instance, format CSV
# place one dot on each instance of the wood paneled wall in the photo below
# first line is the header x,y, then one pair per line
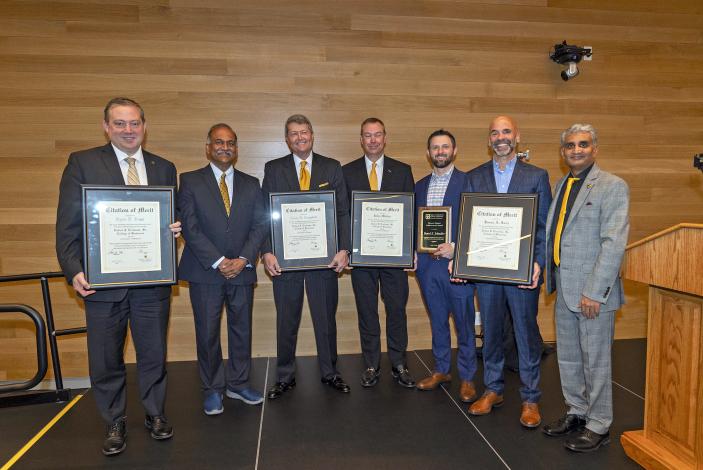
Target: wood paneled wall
x,y
416,65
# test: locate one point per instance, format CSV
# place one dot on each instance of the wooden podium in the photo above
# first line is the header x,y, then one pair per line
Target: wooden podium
x,y
671,262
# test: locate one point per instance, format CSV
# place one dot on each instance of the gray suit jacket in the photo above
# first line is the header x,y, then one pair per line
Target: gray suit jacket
x,y
592,243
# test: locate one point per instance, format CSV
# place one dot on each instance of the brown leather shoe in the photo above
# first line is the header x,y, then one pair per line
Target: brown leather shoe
x,y
467,391
529,417
433,381
486,403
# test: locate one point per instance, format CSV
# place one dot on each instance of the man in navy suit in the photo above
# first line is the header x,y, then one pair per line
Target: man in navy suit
x,y
107,312
222,212
304,170
443,187
504,173
375,171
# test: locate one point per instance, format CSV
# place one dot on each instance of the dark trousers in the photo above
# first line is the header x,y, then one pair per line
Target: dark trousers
x,y
394,292
207,301
444,298
146,312
495,302
322,291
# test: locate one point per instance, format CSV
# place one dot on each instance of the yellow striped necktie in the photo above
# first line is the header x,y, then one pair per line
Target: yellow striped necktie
x,y
224,193
560,221
132,175
373,178
304,176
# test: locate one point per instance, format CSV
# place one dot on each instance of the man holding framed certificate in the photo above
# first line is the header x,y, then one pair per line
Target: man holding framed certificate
x,y
376,171
108,311
504,173
301,171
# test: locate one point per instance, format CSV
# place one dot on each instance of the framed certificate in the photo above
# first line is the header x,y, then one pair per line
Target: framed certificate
x,y
496,237
303,229
126,239
434,227
382,229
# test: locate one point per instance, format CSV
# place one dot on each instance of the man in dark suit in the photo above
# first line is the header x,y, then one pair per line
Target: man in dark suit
x,y
122,161
303,170
222,212
443,187
504,173
378,172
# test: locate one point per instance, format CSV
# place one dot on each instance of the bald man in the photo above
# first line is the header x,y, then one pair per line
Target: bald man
x,y
504,173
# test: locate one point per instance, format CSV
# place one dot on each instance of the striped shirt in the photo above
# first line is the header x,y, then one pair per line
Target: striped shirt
x,y
437,187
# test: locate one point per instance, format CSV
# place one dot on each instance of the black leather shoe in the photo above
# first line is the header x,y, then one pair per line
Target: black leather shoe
x,y
115,437
337,383
401,374
587,441
279,388
159,427
564,425
370,377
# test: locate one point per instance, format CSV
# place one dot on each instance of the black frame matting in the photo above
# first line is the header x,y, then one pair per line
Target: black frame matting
x,y
315,427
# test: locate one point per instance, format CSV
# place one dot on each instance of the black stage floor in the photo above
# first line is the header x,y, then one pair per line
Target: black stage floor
x,y
315,427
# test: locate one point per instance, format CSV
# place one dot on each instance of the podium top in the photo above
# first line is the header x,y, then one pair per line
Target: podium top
x,y
671,259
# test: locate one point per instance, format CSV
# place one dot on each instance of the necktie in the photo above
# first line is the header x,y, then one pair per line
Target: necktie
x,y
224,193
560,221
132,175
304,176
373,179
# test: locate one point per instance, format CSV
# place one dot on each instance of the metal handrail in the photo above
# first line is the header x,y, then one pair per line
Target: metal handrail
x,y
48,312
41,347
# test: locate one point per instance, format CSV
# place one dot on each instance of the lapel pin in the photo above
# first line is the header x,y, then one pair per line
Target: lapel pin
x,y
589,186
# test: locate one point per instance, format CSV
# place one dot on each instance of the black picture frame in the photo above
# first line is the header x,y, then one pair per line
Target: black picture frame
x,y
368,208
118,250
499,215
282,203
434,227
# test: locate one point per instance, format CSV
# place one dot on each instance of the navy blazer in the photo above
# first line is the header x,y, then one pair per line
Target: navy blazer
x,y
280,176
210,234
98,165
527,179
458,183
397,176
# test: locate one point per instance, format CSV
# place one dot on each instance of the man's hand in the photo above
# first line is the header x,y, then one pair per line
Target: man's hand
x,y
589,308
445,250
340,261
230,268
535,278
81,285
176,228
414,264
271,264
455,280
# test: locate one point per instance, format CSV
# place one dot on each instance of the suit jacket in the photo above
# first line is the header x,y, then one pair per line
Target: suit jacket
x,y
527,179
280,176
592,242
397,176
210,234
96,166
452,197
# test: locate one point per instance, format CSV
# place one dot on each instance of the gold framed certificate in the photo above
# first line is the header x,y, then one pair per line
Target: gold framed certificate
x,y
434,227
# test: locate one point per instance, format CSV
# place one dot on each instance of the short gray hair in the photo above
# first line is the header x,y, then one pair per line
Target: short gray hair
x,y
579,128
219,125
297,119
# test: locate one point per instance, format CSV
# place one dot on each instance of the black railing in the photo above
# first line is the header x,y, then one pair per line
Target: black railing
x,y
60,394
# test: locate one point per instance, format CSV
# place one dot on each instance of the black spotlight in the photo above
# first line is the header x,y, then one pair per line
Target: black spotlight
x,y
698,161
568,55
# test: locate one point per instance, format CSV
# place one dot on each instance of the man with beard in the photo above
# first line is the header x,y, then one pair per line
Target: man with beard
x,y
504,173
222,211
587,231
378,172
443,187
304,170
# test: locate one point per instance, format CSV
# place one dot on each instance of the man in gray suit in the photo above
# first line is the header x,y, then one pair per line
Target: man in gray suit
x,y
587,229
222,211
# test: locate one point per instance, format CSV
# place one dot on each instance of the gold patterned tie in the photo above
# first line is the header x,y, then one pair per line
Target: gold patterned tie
x,y
132,175
304,176
224,193
373,178
560,221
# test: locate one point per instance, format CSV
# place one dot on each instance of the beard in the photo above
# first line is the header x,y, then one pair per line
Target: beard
x,y
442,163
511,144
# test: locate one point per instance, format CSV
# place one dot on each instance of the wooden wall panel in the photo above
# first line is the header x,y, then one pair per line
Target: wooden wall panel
x,y
417,65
